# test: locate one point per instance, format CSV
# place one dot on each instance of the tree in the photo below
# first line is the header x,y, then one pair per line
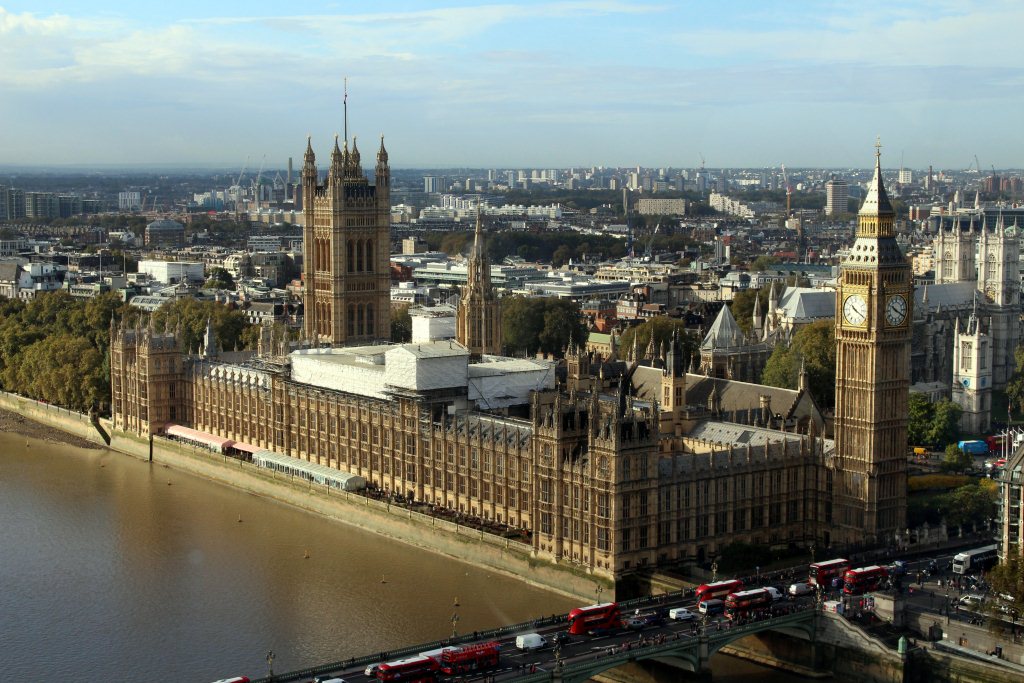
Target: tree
x,y
763,262
220,278
955,460
661,329
921,411
945,427
188,318
1015,387
542,324
743,306
814,346
401,324
1008,577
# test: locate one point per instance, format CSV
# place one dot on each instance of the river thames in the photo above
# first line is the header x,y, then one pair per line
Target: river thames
x,y
114,569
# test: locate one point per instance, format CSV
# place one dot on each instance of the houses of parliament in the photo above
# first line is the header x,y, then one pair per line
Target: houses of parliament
x,y
613,465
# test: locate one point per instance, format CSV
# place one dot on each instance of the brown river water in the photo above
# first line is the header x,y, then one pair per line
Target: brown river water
x,y
114,569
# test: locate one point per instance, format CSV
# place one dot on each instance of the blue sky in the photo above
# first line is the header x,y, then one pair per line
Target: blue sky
x,y
515,84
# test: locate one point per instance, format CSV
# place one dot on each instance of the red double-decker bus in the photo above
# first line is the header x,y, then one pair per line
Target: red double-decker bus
x,y
744,602
863,579
595,617
719,589
408,670
822,573
470,658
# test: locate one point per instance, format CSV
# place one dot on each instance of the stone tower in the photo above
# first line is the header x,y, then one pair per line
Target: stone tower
x,y
954,254
346,249
478,318
146,379
873,313
972,374
999,280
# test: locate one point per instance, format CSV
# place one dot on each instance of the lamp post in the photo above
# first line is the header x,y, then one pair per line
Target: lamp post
x,y
270,662
455,622
812,552
714,571
597,593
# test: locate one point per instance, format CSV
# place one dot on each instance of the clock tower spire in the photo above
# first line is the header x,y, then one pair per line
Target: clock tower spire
x,y
873,313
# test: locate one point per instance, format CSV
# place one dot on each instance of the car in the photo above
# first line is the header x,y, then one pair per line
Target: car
x,y
800,588
972,600
776,593
371,669
898,568
681,614
634,623
561,638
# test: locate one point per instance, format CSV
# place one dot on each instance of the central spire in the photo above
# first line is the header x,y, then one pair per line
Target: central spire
x,y
876,203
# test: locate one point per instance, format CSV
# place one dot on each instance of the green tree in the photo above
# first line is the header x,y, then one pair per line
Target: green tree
x,y
814,346
661,329
921,412
543,324
763,262
220,278
743,306
1008,577
955,460
945,427
1015,387
401,324
188,318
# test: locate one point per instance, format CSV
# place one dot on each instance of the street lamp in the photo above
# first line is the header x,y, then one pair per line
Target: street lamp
x,y
812,553
455,621
714,571
597,593
270,662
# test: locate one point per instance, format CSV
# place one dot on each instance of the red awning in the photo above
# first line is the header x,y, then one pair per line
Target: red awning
x,y
196,436
247,447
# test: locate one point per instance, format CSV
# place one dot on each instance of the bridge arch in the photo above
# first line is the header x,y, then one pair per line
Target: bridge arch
x,y
802,629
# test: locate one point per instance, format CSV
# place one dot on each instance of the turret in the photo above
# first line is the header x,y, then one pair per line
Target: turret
x,y
338,162
382,174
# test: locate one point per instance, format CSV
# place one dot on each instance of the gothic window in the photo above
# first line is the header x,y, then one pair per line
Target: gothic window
x,y
369,256
965,355
982,360
350,254
360,322
369,319
359,256
351,320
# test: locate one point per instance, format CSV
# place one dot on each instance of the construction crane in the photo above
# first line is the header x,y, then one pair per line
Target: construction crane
x,y
256,183
789,189
650,243
238,181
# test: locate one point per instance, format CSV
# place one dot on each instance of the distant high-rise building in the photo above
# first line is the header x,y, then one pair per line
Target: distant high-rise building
x,y
129,200
906,176
432,183
837,195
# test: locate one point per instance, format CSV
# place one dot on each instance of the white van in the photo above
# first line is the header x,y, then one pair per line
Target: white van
x,y
710,607
681,614
530,641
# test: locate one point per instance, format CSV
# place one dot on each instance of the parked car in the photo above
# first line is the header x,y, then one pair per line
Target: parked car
x,y
801,588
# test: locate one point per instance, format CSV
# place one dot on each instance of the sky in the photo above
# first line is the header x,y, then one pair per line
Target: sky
x,y
555,83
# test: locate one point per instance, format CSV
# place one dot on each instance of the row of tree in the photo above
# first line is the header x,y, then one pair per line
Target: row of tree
x,y
56,348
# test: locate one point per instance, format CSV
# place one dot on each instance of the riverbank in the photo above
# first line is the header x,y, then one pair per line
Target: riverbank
x,y
16,423
441,536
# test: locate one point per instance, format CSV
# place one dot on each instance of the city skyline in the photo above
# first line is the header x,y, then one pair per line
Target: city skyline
x,y
470,84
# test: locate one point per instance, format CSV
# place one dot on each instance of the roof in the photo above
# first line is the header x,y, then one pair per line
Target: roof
x,y
808,303
877,203
725,332
946,295
9,271
732,434
437,349
739,398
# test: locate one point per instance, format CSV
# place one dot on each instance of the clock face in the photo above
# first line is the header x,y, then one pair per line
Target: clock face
x,y
855,309
895,310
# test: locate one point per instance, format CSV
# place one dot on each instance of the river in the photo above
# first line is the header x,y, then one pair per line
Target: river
x,y
114,569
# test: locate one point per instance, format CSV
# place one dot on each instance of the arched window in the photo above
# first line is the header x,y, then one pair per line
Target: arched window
x,y
360,320
369,320
369,256
359,256
351,320
351,255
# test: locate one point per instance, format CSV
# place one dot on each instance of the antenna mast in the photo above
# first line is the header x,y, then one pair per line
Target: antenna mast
x,y
344,104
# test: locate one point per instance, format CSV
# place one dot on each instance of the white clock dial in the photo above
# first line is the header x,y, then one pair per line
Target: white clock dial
x,y
895,310
855,309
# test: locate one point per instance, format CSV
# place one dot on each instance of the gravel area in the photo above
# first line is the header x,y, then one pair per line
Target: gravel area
x,y
19,424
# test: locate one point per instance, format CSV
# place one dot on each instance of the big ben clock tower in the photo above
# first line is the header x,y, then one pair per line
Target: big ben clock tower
x,y
873,314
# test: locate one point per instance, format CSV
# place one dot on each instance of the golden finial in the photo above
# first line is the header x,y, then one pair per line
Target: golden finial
x,y
878,145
